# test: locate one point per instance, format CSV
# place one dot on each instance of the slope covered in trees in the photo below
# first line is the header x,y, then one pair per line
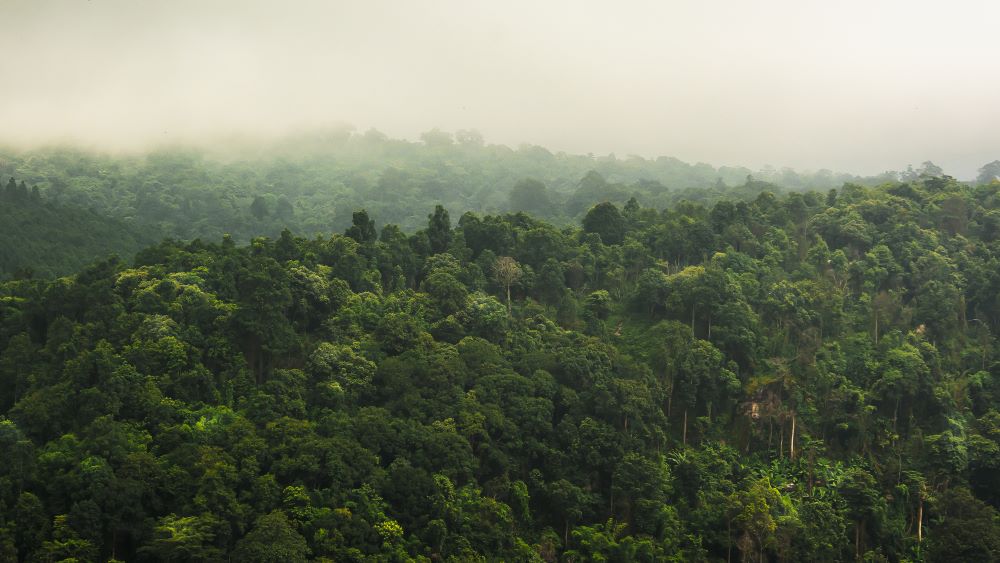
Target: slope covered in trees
x,y
42,238
810,377
312,184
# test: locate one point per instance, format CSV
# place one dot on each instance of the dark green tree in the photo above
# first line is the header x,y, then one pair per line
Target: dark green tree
x,y
439,230
605,220
272,540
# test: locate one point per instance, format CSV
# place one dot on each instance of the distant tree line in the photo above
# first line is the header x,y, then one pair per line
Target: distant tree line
x,y
800,377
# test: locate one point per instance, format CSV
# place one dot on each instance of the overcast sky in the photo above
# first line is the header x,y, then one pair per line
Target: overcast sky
x,y
859,86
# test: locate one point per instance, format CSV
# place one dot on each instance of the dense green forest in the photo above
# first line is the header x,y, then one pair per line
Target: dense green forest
x,y
802,377
101,203
312,183
46,239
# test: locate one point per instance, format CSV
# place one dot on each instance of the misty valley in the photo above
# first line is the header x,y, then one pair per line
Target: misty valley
x,y
346,347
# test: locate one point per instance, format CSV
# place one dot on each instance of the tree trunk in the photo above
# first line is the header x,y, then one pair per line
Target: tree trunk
x,y
611,508
684,433
876,328
770,435
729,537
812,473
260,367
791,451
781,441
857,540
920,518
895,414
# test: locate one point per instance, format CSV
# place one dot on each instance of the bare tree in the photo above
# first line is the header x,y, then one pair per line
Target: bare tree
x,y
507,271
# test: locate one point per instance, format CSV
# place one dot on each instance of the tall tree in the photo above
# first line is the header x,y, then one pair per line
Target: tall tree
x,y
605,220
507,271
439,230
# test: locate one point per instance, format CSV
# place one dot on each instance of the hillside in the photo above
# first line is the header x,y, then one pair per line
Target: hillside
x,y
312,183
810,377
46,239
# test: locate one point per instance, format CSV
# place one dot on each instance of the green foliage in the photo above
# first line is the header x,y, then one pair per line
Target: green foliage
x,y
82,206
605,220
795,378
272,540
45,238
964,529
531,196
185,538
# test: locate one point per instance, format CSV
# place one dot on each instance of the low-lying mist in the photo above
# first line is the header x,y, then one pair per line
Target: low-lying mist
x,y
861,88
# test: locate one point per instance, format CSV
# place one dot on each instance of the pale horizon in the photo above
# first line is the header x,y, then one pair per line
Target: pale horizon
x,y
856,87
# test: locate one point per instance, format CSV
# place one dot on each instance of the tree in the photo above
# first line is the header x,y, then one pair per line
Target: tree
x,y
469,138
339,369
436,138
259,208
363,228
592,187
702,375
284,210
989,172
439,230
929,169
32,524
530,195
272,540
568,503
448,293
605,220
66,544
964,529
187,538
609,542
261,318
599,304
757,511
485,317
639,484
15,363
858,489
507,271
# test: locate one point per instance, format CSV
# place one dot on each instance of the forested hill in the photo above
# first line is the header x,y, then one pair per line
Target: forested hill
x,y
810,377
312,183
42,238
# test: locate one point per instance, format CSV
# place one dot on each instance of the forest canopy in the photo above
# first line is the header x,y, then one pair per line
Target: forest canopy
x,y
79,205
787,377
312,182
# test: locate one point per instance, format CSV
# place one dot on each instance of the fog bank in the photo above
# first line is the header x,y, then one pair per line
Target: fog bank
x,y
857,86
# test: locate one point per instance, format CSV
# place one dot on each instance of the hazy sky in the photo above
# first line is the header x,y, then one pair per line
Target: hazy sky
x,y
859,86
